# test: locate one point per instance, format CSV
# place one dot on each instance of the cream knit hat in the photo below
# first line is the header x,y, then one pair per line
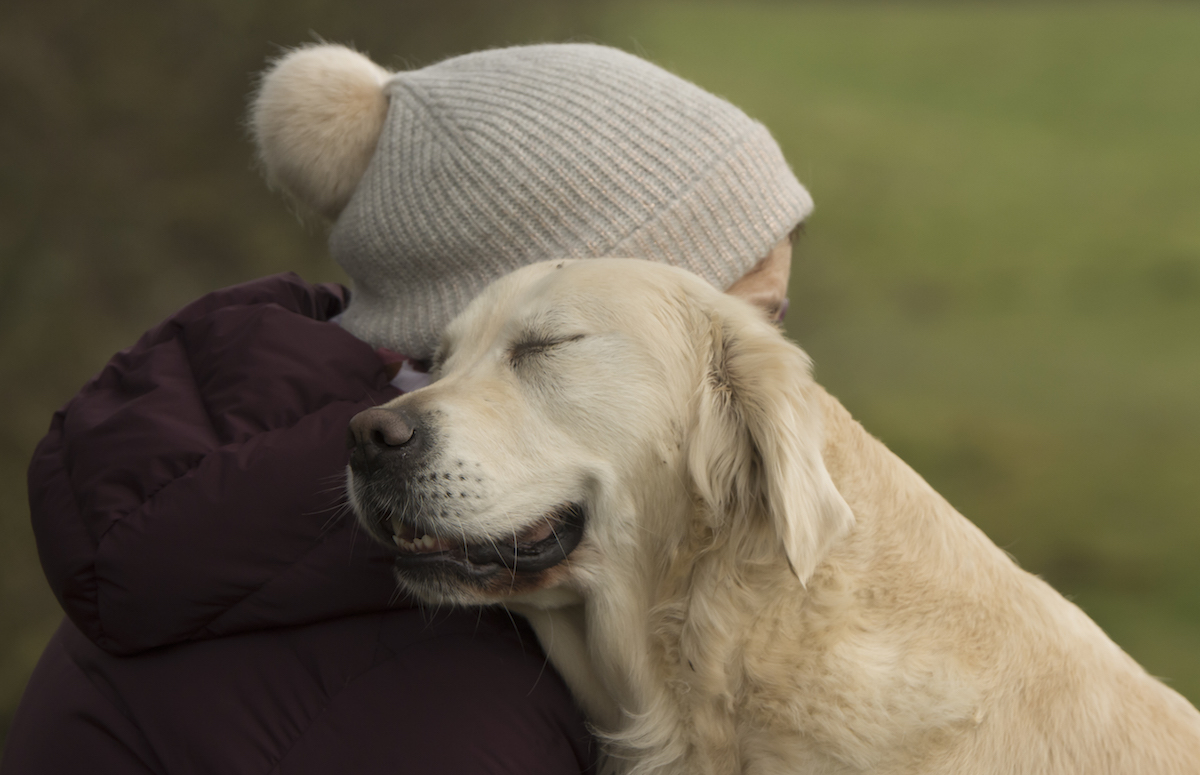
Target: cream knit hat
x,y
445,178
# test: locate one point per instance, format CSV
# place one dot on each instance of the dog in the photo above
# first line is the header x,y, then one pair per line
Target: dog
x,y
730,573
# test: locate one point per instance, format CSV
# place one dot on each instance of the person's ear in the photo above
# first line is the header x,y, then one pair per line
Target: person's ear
x,y
765,285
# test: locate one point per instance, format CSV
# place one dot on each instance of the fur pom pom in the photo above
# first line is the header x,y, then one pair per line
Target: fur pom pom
x,y
316,118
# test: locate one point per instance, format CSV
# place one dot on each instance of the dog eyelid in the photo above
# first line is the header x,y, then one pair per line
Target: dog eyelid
x,y
534,345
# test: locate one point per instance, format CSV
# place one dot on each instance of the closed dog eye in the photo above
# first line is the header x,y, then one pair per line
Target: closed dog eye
x,y
535,346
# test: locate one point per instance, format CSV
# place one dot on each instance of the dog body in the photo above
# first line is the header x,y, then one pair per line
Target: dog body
x,y
729,572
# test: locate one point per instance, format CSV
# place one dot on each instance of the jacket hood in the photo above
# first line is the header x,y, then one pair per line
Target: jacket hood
x,y
193,488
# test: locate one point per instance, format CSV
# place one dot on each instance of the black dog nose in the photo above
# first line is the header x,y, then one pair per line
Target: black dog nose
x,y
377,430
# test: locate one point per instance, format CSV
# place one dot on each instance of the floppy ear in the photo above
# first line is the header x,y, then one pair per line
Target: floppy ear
x,y
758,438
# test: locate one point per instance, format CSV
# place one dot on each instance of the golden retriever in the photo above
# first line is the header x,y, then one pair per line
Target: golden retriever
x,y
730,573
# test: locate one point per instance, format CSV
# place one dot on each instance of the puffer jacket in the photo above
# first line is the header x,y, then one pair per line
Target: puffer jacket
x,y
225,614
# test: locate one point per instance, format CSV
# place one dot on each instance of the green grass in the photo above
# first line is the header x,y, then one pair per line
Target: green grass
x,y
1001,280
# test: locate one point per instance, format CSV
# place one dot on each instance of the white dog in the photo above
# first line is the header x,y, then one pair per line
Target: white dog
x,y
730,573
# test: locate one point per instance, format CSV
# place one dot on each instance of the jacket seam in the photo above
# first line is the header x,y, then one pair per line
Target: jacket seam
x,y
194,635
212,426
148,500
211,423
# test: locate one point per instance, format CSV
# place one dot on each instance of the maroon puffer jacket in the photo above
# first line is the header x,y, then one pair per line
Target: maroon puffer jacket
x,y
226,615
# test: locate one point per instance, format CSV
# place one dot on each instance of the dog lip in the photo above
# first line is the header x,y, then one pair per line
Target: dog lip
x,y
538,548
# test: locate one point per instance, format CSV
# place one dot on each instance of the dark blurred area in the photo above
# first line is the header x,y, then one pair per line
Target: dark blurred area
x,y
127,188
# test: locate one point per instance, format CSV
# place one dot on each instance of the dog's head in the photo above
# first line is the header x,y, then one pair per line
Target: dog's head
x,y
585,416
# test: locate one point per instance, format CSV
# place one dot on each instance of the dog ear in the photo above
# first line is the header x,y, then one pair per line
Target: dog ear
x,y
758,439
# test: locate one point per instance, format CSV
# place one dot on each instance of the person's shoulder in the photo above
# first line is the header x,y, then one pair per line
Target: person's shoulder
x,y
463,690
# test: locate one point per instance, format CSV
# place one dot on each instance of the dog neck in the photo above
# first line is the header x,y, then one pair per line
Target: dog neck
x,y
664,647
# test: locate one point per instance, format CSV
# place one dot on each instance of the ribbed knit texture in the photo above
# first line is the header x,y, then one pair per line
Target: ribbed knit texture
x,y
494,160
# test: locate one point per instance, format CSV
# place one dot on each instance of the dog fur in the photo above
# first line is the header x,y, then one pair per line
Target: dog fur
x,y
760,586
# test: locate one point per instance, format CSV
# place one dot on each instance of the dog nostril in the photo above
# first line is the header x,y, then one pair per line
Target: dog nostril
x,y
392,436
378,429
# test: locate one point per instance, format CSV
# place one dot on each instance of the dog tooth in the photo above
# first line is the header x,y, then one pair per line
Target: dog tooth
x,y
396,539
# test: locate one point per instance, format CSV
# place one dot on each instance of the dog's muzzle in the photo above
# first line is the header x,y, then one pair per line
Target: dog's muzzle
x,y
392,450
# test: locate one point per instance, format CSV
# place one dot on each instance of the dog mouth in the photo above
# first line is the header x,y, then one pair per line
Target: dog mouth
x,y
542,545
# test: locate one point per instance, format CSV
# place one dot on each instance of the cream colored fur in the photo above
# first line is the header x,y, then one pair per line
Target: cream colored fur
x,y
316,118
762,587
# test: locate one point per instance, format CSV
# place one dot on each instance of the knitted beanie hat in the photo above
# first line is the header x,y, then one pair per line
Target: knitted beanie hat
x,y
445,178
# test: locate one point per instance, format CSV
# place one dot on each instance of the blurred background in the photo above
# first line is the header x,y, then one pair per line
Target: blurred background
x,y
1001,279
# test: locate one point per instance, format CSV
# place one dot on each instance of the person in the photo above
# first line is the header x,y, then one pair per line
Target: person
x,y
224,614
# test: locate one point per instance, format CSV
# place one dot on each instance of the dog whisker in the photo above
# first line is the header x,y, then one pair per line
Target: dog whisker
x,y
545,659
557,540
339,513
516,627
513,581
333,481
